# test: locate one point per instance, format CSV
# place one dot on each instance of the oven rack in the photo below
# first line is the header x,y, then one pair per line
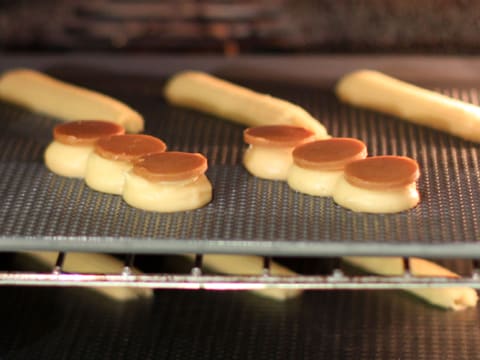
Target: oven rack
x,y
196,279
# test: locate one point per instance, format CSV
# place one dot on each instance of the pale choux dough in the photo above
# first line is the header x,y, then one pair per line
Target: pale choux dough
x,y
204,92
379,184
167,196
313,182
455,298
168,182
113,157
268,163
93,263
250,265
67,160
269,155
375,201
106,175
318,165
73,143
44,94
377,91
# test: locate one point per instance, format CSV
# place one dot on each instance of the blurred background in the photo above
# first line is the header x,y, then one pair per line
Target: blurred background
x,y
242,26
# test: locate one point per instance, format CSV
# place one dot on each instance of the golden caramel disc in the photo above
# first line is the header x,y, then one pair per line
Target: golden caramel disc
x,y
329,154
128,147
277,135
85,132
170,166
382,172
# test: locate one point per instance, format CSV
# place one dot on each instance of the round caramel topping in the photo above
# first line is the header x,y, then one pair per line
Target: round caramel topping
x,y
329,154
382,172
128,147
85,132
170,166
277,135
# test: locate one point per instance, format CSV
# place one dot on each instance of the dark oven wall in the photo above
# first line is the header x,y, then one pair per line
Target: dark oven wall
x,y
232,26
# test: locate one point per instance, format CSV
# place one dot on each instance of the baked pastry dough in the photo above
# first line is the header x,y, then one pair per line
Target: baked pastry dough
x,y
379,184
168,182
269,155
44,94
455,298
203,92
376,91
318,166
73,143
113,157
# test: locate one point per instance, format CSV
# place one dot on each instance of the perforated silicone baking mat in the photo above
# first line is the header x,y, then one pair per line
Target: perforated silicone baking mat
x,y
359,325
40,210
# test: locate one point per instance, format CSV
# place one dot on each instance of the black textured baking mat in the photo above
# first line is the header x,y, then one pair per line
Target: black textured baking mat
x,y
40,210
68,323
65,323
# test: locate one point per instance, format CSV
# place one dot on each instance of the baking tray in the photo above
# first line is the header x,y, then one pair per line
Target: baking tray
x,y
40,210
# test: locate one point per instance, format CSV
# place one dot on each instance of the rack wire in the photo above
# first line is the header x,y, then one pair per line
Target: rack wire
x,y
197,279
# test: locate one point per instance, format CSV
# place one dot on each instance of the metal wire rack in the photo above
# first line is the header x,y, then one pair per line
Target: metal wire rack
x,y
102,223
197,279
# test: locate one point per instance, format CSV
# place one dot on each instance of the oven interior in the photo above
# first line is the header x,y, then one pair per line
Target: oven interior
x,y
128,50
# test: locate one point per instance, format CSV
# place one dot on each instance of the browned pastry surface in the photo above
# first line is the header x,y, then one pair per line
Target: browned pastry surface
x,y
277,135
382,172
85,132
128,147
329,154
170,166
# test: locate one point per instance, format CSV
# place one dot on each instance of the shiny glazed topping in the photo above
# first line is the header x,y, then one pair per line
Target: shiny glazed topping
x,y
277,135
382,172
170,166
128,147
85,132
329,154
